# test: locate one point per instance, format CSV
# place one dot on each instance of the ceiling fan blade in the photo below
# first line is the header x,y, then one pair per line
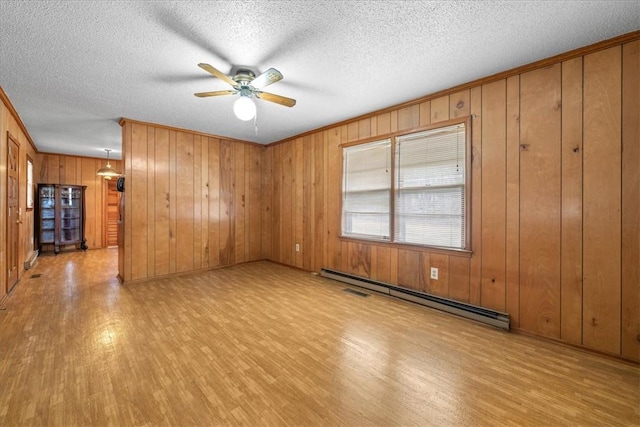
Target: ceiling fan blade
x,y
217,73
215,93
265,79
278,99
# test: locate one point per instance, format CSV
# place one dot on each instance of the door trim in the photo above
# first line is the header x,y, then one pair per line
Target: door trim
x,y
13,222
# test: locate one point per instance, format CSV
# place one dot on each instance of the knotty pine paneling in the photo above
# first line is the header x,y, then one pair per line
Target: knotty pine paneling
x,y
213,188
512,226
409,269
276,159
198,199
383,124
475,283
305,237
300,203
459,104
227,203
440,109
425,273
253,192
93,218
382,272
161,205
192,201
631,201
494,195
571,239
393,265
240,204
602,200
151,200
393,120
287,226
334,185
535,224
540,199
459,277
268,196
352,133
364,128
317,218
124,227
173,206
425,113
360,259
408,118
137,190
184,200
52,171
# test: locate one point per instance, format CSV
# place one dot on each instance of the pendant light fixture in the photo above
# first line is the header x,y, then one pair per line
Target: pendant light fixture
x,y
108,172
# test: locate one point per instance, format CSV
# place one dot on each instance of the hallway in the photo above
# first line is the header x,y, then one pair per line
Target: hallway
x,y
264,344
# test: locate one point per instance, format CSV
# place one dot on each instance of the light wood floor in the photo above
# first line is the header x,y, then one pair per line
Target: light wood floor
x,y
262,344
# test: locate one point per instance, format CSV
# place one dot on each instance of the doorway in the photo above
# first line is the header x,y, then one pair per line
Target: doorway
x,y
112,202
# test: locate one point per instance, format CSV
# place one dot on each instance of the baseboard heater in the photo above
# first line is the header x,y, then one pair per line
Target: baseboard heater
x,y
490,317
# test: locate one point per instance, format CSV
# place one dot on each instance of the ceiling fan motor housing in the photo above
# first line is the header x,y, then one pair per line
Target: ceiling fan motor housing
x,y
243,77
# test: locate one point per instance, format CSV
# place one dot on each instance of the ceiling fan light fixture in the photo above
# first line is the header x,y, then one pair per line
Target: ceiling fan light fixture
x,y
244,108
248,86
108,172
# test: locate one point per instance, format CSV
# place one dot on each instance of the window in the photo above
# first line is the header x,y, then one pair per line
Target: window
x,y
366,187
430,188
29,183
422,200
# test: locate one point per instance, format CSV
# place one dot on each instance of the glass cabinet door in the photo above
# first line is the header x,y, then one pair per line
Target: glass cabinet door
x,y
69,215
47,200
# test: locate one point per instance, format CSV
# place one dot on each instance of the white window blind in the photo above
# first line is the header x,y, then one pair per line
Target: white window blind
x,y
366,190
430,188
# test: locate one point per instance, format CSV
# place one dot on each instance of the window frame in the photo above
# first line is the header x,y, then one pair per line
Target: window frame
x,y
30,202
393,136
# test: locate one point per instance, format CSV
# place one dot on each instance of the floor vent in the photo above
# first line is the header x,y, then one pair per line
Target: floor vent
x,y
35,276
354,292
480,314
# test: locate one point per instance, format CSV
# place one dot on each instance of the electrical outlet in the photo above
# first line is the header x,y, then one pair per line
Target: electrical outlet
x,y
297,247
434,273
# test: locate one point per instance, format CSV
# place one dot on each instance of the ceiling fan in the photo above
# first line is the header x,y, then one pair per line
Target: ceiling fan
x,y
245,83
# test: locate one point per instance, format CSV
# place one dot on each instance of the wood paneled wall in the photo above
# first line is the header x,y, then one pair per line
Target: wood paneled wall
x,y
555,201
191,201
75,170
10,123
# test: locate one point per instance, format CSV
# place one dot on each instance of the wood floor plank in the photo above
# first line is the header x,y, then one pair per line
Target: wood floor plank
x,y
265,344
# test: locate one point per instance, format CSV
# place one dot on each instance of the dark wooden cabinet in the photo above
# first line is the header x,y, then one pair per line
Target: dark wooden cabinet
x,y
60,216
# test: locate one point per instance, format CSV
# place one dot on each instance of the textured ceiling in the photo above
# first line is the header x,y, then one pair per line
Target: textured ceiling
x,y
73,69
